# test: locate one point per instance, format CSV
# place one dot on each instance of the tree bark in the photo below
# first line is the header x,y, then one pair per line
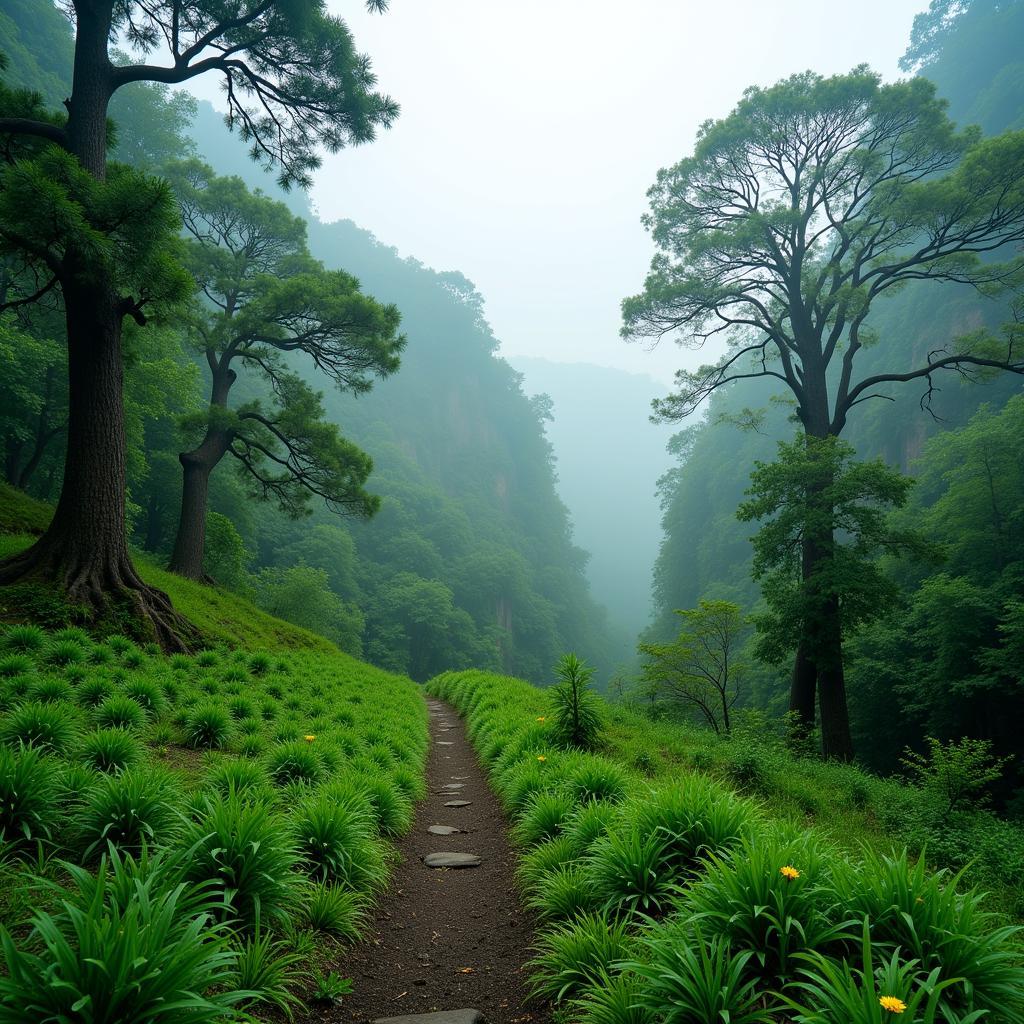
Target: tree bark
x,y
197,465
818,665
85,547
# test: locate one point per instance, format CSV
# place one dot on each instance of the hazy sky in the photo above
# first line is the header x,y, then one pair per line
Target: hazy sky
x,y
531,130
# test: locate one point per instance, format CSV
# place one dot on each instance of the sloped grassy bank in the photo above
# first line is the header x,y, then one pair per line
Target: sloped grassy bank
x,y
680,901
185,838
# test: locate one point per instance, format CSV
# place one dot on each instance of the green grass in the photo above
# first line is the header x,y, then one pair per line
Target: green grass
x,y
257,777
20,514
682,879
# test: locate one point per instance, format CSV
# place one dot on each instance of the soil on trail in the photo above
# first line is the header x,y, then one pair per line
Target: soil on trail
x,y
445,938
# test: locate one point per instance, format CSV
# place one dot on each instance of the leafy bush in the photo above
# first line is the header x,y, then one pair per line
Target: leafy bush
x,y
579,954
52,727
120,712
391,808
336,911
109,750
148,695
207,725
27,795
688,980
241,852
239,776
294,761
132,944
336,844
134,808
576,710
956,772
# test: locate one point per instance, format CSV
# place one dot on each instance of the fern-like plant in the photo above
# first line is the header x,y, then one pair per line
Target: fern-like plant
x,y
576,709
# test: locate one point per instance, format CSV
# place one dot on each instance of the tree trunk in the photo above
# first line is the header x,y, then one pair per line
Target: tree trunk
x,y
197,465
85,548
190,543
818,665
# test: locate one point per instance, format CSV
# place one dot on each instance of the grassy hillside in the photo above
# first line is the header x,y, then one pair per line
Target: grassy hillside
x,y
685,879
218,823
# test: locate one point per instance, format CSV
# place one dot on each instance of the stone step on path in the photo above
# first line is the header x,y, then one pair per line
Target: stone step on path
x,y
448,943
440,1017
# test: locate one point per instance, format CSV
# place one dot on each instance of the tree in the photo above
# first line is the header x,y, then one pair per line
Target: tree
x,y
268,301
100,234
811,201
850,504
699,669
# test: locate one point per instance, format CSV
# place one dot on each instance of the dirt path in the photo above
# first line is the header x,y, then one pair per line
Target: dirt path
x,y
446,938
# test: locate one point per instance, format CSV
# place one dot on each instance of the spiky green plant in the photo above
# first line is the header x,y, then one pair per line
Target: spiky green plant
x,y
131,944
28,789
109,750
576,710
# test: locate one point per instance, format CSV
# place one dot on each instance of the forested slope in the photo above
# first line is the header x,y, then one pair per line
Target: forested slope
x,y
905,679
471,559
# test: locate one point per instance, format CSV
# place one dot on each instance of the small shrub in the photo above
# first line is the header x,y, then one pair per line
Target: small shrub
x,y
329,988
132,809
241,851
575,710
109,750
614,1000
133,945
52,727
208,726
578,955
27,795
120,712
956,772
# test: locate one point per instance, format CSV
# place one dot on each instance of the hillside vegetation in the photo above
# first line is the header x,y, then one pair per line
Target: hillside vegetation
x,y
682,880
216,823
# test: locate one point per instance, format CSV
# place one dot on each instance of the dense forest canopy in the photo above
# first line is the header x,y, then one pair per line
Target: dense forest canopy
x,y
470,558
963,48
298,572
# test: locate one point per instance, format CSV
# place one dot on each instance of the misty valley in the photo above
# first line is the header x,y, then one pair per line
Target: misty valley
x,y
624,625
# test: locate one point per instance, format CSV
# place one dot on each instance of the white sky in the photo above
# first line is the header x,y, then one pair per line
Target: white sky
x,y
531,130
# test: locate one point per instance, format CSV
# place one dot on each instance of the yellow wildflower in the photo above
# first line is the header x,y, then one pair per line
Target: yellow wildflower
x,y
542,718
309,738
789,872
541,757
892,1004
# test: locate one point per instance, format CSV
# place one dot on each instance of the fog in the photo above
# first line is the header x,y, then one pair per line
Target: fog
x,y
530,132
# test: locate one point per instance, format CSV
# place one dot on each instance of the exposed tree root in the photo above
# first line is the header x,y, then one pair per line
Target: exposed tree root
x,y
97,581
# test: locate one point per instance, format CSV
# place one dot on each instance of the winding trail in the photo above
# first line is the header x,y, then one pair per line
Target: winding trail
x,y
447,938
